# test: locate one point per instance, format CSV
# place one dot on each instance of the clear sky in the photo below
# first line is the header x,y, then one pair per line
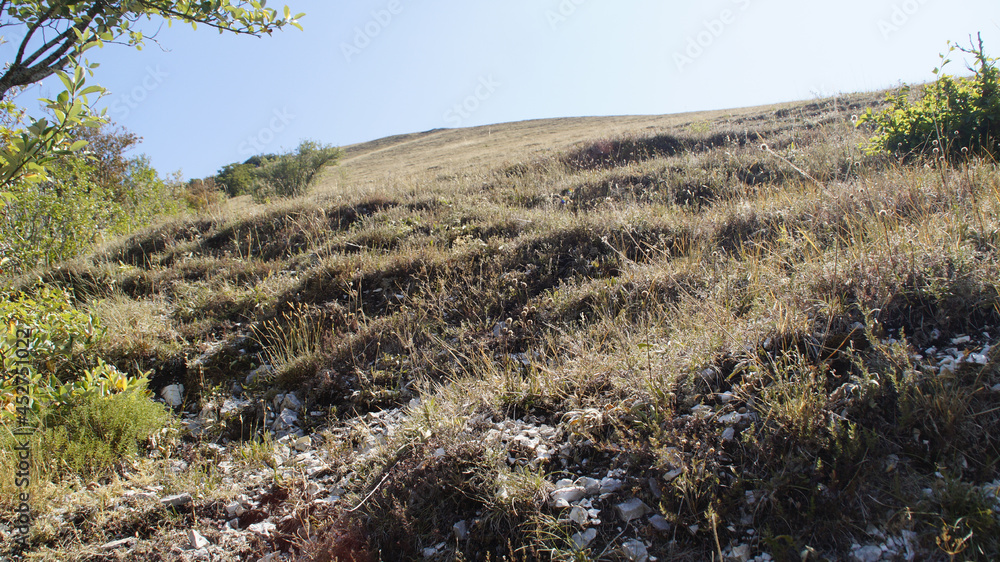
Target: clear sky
x,y
366,69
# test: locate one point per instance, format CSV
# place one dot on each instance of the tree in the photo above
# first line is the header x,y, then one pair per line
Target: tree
x,y
53,35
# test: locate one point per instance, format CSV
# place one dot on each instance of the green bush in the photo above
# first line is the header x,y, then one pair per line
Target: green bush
x,y
951,114
91,434
268,176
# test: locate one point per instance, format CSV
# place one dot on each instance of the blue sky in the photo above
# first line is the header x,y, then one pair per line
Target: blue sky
x,y
366,69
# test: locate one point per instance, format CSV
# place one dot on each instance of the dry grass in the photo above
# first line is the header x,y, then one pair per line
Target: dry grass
x,y
611,278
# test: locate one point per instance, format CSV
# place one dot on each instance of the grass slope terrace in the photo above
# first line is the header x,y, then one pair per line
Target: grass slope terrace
x,y
730,334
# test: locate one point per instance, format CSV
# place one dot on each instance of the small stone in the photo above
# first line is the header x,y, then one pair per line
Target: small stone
x,y
867,554
610,485
669,476
302,444
740,553
461,529
178,500
235,509
439,452
564,496
263,528
660,523
173,395
584,538
291,402
729,434
591,485
196,540
632,509
579,516
126,542
286,420
635,551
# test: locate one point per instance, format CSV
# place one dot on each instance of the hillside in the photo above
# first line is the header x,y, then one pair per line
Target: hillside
x,y
727,334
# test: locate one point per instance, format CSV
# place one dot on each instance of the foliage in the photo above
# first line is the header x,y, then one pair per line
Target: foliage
x,y
285,175
91,433
60,338
952,113
26,150
51,38
86,198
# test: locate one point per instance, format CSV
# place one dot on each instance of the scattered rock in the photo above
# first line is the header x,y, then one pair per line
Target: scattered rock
x,y
591,485
126,542
869,553
461,529
584,538
632,509
660,523
565,496
173,395
610,485
740,553
263,528
178,500
635,551
196,540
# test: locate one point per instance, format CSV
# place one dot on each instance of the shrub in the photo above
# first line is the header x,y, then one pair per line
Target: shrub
x,y
85,199
91,434
951,114
286,175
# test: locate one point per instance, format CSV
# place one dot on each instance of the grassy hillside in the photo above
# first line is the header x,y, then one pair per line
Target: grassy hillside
x,y
715,335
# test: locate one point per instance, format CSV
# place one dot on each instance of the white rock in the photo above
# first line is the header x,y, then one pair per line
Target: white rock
x,y
565,483
869,553
610,485
960,340
126,542
585,538
177,500
740,553
196,540
291,402
461,529
660,523
286,420
728,434
302,444
591,485
632,509
565,496
635,551
263,528
173,394
579,515
235,509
